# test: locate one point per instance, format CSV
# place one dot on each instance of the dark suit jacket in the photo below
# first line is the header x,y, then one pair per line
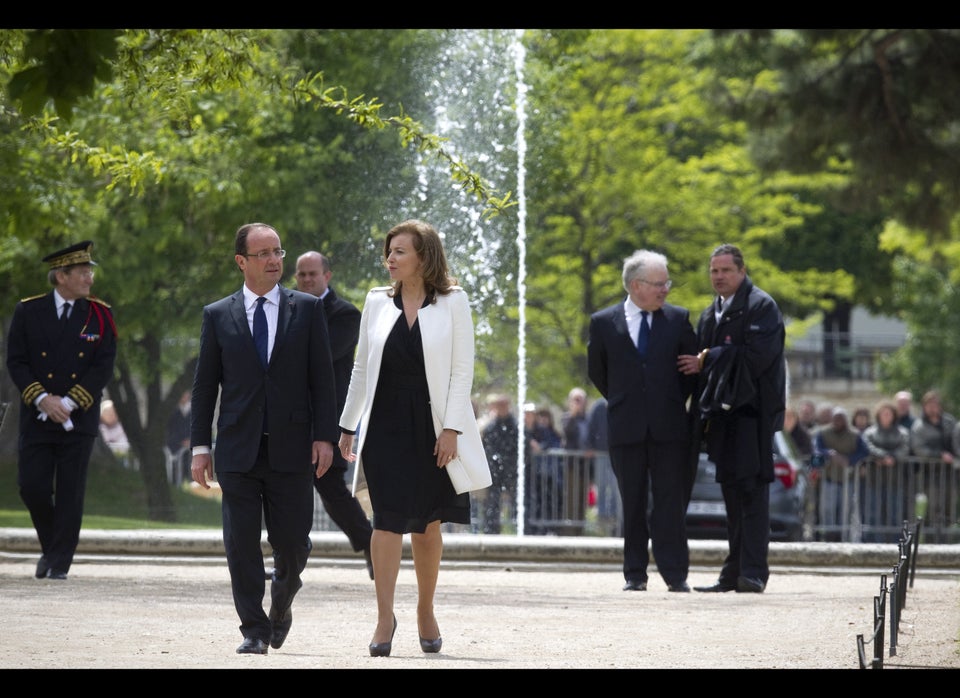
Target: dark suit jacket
x,y
643,401
343,323
297,387
750,336
76,361
178,430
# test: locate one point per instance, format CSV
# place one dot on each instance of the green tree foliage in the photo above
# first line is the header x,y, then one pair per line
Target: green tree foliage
x,y
877,100
208,130
63,66
629,154
879,105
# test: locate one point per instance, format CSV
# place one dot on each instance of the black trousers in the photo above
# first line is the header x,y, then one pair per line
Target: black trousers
x,y
651,476
52,479
284,501
748,532
343,507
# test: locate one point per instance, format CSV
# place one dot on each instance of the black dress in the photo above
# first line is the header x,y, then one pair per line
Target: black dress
x,y
407,489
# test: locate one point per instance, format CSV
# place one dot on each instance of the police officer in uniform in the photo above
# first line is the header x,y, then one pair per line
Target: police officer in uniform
x,y
60,354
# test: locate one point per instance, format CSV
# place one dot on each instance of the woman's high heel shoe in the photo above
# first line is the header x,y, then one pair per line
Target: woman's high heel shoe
x,y
431,646
382,649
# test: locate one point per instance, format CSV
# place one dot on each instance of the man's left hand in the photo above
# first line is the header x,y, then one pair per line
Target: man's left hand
x,y
322,456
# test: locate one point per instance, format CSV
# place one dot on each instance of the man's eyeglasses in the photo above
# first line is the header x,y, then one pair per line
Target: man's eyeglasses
x,y
267,254
658,284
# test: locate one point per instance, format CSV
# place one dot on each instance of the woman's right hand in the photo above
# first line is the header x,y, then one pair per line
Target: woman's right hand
x,y
346,447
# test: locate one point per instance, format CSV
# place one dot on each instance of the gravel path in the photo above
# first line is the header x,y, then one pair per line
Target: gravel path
x,y
170,613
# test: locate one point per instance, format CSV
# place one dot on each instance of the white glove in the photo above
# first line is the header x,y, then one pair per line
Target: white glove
x,y
68,403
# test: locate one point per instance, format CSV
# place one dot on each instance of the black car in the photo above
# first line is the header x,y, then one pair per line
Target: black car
x,y
706,514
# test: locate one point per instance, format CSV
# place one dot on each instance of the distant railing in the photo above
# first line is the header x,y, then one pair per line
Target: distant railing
x,y
570,493
574,493
869,502
839,355
177,464
566,493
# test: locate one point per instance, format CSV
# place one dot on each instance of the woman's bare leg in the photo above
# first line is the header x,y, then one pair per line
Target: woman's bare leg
x,y
427,548
386,549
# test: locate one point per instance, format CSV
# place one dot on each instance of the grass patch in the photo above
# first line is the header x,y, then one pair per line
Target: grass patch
x,y
116,499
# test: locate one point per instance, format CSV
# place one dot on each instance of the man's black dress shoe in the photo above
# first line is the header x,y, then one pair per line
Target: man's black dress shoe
x,y
42,567
718,587
750,585
252,645
281,626
633,585
382,649
366,556
680,586
56,574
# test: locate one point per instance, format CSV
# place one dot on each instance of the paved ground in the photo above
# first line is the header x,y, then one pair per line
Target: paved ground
x,y
168,612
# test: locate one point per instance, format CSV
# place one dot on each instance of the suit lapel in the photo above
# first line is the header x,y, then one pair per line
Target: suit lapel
x,y
238,314
709,320
619,317
78,318
285,316
657,328
51,323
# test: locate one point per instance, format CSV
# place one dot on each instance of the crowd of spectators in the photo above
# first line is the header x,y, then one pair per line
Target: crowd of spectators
x,y
883,438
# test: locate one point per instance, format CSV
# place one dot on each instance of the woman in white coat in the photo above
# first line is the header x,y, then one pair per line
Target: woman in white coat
x,y
409,399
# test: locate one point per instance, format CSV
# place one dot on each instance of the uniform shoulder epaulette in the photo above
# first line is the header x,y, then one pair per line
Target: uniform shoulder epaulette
x,y
33,298
97,300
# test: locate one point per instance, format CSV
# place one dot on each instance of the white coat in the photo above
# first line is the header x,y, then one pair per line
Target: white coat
x,y
446,328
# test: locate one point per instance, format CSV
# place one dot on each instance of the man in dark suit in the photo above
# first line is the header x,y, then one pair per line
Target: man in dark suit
x,y
276,428
343,322
647,420
742,398
178,437
60,353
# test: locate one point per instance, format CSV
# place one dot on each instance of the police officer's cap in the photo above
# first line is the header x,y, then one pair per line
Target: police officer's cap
x,y
68,256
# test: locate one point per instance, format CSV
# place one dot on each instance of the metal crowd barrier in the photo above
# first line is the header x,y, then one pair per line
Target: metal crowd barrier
x,y
566,493
175,464
571,493
868,502
321,519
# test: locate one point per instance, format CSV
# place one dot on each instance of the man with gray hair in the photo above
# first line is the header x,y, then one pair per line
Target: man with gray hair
x,y
904,402
632,360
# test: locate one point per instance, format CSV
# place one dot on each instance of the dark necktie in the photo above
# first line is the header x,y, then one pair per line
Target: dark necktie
x,y
643,336
260,331
65,315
